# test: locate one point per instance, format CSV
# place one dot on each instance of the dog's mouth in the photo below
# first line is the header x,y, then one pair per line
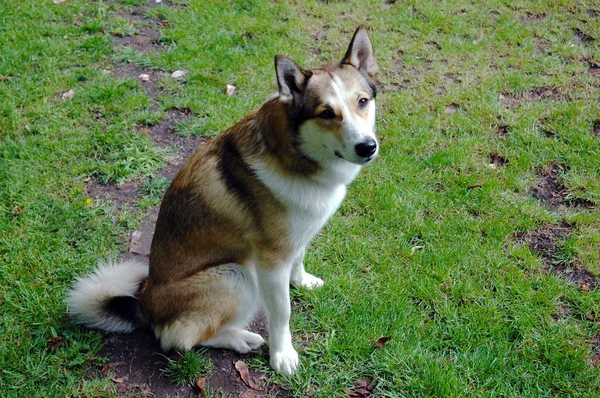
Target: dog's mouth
x,y
362,160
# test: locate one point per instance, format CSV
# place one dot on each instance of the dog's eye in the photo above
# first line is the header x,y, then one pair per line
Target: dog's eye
x,y
327,114
362,102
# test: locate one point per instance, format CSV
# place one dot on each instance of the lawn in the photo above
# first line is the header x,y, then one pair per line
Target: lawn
x,y
473,242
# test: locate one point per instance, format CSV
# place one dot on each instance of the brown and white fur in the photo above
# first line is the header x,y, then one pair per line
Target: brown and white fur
x,y
235,222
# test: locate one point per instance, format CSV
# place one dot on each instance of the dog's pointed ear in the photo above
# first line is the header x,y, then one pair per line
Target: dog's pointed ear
x,y
360,53
291,78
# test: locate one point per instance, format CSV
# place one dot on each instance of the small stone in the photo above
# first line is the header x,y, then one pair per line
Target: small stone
x,y
144,77
230,89
178,74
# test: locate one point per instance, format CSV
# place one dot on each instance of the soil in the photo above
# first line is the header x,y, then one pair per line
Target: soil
x,y
135,360
551,192
547,242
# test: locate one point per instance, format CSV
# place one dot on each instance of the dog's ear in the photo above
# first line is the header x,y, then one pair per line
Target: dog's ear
x,y
291,78
360,53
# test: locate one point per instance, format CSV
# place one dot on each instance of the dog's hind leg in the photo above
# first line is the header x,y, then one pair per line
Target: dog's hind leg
x,y
239,340
220,303
300,277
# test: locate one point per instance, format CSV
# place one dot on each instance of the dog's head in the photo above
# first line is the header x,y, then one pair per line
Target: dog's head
x,y
333,107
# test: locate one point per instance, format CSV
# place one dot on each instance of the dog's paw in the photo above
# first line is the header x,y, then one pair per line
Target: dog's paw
x,y
285,361
253,340
308,281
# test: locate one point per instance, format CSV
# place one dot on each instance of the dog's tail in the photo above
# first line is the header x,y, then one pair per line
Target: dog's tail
x,y
107,299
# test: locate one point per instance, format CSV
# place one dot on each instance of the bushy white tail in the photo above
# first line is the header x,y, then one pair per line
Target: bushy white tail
x,y
106,298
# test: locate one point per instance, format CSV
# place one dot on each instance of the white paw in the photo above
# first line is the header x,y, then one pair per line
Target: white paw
x,y
253,340
285,361
308,281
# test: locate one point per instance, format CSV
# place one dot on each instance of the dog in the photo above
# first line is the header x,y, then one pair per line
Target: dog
x,y
234,224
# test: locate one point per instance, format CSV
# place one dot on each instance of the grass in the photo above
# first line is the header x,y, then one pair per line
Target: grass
x,y
188,368
472,311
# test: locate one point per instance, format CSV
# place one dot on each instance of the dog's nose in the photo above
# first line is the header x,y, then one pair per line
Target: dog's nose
x,y
366,149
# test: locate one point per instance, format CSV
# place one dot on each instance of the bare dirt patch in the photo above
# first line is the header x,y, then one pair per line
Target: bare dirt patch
x,y
502,130
551,192
497,160
582,37
126,71
147,40
537,94
548,243
596,128
137,360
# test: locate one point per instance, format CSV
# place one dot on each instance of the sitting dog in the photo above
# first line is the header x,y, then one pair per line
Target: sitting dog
x,y
234,223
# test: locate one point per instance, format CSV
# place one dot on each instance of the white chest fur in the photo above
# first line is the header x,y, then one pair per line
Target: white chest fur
x,y
310,201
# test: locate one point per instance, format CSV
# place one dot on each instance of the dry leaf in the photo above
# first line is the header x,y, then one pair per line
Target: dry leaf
x,y
382,341
478,38
163,24
596,360
54,342
584,287
119,379
178,74
247,378
201,383
68,95
350,393
144,77
59,1
5,78
229,89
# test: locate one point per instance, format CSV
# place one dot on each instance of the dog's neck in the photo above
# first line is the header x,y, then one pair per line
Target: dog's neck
x,y
279,135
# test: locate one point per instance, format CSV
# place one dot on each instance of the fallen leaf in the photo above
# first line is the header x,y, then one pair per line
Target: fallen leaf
x,y
478,38
584,287
134,240
382,341
59,1
247,378
119,379
78,22
350,393
596,360
229,89
144,77
17,209
68,95
201,383
178,74
5,78
163,24
54,342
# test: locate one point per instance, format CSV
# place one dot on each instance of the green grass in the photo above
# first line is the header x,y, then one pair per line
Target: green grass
x,y
188,368
471,313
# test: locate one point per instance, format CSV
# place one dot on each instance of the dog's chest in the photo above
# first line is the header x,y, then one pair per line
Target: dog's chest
x,y
309,204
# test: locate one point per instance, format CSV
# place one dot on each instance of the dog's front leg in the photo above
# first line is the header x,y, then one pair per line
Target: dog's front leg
x,y
275,289
301,278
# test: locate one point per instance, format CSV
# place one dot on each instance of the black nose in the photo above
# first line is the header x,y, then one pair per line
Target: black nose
x,y
366,149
